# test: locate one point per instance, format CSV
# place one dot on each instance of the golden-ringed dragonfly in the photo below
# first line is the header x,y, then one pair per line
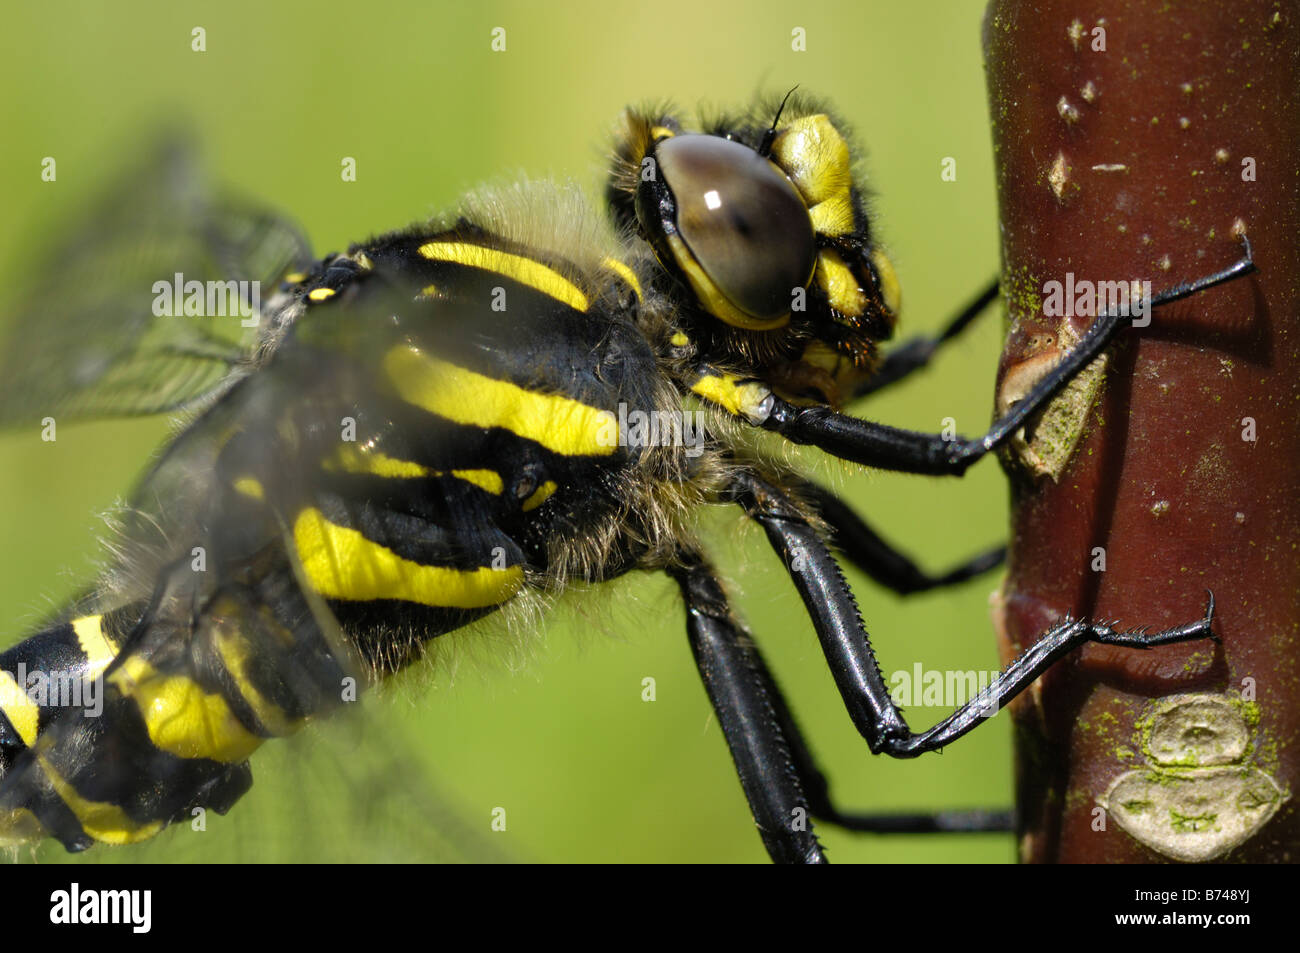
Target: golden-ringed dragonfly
x,y
468,416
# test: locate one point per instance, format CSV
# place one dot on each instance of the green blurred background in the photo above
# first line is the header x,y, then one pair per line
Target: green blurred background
x,y
557,733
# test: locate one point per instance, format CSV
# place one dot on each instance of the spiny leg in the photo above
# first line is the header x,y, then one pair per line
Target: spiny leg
x,y
778,772
894,570
744,697
847,648
914,354
891,448
817,789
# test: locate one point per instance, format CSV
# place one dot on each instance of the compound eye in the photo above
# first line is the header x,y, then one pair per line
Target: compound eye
x,y
743,223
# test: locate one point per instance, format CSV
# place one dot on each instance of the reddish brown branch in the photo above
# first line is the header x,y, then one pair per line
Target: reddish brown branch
x,y
1134,138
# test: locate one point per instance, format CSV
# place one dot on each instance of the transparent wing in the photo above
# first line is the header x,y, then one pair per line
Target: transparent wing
x,y
355,789
277,428
92,336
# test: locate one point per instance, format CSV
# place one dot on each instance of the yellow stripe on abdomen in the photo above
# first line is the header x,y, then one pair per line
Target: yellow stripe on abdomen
x,y
560,424
238,655
182,717
341,563
103,821
18,706
526,271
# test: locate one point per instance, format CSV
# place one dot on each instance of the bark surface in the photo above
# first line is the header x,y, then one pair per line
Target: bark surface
x,y
1136,139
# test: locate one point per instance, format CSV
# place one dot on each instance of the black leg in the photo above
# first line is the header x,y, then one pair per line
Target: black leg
x,y
882,562
742,694
890,448
777,770
847,648
915,354
817,789
940,822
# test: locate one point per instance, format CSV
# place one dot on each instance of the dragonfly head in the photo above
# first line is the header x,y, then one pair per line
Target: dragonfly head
x,y
758,225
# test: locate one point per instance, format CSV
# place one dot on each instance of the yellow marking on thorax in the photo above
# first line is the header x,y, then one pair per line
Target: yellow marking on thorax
x,y
624,272
561,424
526,271
353,459
741,398
182,718
321,294
250,487
487,480
341,563
105,822
100,650
539,496
23,713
